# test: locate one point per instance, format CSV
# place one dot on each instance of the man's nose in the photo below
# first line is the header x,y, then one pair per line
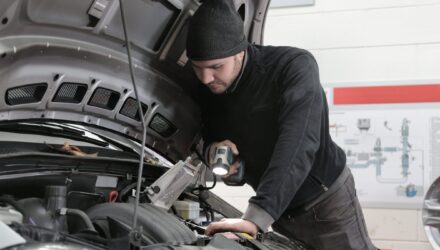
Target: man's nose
x,y
206,76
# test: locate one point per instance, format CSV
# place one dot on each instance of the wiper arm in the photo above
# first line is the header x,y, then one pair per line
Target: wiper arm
x,y
116,143
111,141
51,130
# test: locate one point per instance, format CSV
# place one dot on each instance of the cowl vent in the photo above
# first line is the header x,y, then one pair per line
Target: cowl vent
x,y
70,92
104,98
131,109
162,125
31,93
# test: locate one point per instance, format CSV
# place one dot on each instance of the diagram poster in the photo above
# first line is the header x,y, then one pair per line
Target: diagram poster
x,y
391,136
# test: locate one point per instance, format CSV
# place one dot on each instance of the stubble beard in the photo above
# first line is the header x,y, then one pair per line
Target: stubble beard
x,y
235,73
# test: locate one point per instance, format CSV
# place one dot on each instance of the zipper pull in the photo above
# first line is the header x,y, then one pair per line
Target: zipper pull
x,y
324,187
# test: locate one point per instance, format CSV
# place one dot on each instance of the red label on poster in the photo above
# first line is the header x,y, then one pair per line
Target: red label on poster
x,y
386,94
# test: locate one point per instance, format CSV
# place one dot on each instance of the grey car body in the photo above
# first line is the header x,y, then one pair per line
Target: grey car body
x,y
66,86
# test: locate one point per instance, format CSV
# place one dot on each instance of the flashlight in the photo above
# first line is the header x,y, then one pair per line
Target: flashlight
x,y
223,158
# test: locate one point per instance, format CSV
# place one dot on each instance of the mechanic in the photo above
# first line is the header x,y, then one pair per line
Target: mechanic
x,y
268,105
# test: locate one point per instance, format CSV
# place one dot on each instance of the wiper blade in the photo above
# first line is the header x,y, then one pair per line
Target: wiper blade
x,y
51,130
116,143
111,141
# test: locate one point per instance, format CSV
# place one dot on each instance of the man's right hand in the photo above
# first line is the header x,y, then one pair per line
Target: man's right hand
x,y
232,225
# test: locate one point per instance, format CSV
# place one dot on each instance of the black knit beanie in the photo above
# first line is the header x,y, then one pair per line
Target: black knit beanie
x,y
215,31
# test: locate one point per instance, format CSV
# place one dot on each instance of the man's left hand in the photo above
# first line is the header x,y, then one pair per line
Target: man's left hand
x,y
232,225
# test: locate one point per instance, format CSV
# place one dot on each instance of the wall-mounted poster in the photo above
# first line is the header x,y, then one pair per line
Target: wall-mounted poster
x,y
391,136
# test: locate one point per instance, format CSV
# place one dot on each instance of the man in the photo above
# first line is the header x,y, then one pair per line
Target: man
x,y
268,105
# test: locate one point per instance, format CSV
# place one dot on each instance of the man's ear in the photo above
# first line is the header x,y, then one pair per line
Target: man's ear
x,y
240,55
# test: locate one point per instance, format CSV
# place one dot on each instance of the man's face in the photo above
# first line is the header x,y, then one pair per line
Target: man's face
x,y
218,74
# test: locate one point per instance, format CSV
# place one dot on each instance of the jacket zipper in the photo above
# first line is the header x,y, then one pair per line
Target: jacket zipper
x,y
324,187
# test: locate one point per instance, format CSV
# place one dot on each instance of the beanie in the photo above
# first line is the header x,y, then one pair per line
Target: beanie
x,y
215,31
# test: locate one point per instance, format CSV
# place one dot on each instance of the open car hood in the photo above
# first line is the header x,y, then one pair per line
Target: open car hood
x,y
64,75
66,60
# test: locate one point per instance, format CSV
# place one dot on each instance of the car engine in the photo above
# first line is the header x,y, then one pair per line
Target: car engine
x,y
80,215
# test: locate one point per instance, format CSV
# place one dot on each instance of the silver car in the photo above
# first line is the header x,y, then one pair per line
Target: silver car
x,y
81,83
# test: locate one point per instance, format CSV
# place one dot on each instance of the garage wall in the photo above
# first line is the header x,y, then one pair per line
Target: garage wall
x,y
364,41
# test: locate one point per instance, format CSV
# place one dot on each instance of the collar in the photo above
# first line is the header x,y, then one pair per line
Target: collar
x,y
233,87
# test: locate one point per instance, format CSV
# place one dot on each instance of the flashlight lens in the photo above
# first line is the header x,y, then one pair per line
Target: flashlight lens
x,y
220,170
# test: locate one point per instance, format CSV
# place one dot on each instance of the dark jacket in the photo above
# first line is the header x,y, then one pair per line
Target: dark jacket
x,y
278,117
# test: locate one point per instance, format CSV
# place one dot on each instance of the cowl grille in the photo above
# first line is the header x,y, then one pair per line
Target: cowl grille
x,y
70,92
104,98
162,126
131,109
31,93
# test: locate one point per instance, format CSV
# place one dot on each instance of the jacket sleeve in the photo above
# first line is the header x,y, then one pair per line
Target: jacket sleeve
x,y
299,125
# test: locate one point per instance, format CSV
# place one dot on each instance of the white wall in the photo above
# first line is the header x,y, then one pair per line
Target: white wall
x,y
364,41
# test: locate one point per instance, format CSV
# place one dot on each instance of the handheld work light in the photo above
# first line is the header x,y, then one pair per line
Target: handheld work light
x,y
223,159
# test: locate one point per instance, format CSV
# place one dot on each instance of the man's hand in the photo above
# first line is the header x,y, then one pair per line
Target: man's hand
x,y
234,167
232,225
214,145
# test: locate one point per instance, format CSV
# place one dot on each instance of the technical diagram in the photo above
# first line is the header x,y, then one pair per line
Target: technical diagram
x,y
388,151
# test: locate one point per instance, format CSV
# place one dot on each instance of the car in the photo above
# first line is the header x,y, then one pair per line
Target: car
x,y
100,142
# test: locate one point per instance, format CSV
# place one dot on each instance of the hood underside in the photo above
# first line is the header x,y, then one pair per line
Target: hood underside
x,y
66,60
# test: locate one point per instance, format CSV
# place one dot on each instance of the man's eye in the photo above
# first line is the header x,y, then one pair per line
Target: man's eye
x,y
217,66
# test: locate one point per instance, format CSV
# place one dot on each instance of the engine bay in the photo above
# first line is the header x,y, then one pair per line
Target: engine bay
x,y
83,211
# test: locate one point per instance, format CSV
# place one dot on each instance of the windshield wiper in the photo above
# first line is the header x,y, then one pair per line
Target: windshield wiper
x,y
51,130
109,140
115,143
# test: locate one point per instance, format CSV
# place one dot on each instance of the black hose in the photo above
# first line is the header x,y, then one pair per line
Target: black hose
x,y
125,190
82,215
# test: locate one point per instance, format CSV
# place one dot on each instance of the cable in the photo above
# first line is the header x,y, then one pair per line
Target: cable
x,y
144,129
214,177
208,209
